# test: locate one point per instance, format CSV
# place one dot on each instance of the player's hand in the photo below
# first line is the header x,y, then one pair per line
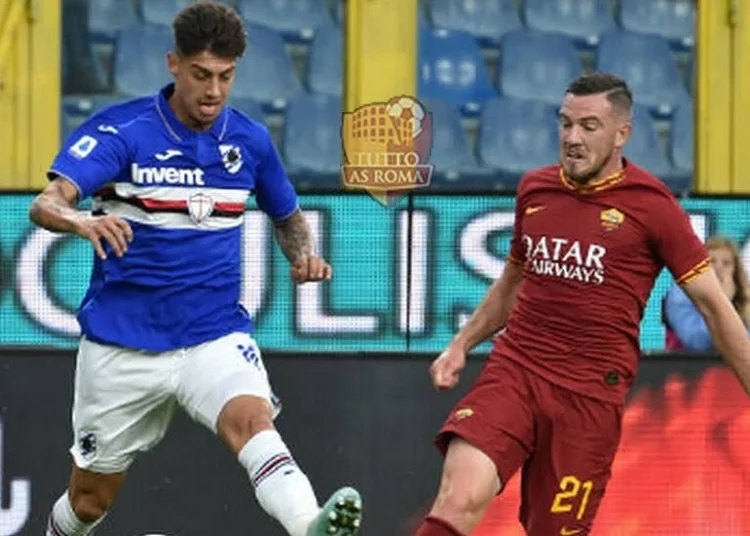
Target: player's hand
x,y
113,230
445,370
311,268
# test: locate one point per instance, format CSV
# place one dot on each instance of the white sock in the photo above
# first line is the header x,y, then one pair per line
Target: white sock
x,y
64,522
281,488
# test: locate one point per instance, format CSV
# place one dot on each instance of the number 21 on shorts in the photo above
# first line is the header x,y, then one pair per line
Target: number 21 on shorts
x,y
573,493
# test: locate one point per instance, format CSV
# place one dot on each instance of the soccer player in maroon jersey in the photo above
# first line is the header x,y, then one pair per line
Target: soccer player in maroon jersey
x,y
591,235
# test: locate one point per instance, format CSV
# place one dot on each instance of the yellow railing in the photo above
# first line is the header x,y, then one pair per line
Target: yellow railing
x,y
29,91
722,103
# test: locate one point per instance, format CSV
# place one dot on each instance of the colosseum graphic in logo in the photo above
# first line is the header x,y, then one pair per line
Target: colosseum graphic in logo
x,y
386,147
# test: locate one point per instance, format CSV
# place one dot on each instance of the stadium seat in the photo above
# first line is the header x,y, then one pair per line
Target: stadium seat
x,y
76,109
487,20
296,20
108,17
86,105
672,19
249,107
536,65
326,61
644,147
681,147
452,69
265,74
140,65
455,165
517,135
68,124
163,11
584,20
312,141
646,63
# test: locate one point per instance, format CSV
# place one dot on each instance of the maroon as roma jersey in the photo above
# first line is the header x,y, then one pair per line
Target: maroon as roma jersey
x,y
591,255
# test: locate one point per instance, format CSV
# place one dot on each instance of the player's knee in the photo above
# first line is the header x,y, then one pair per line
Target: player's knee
x,y
242,418
89,506
461,502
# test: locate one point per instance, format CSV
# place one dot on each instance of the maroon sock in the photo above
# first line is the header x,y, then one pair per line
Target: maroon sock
x,y
434,526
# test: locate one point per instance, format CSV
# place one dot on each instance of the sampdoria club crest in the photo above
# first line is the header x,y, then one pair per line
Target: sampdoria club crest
x,y
200,207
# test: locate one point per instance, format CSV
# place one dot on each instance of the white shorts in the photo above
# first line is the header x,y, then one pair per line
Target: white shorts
x,y
124,398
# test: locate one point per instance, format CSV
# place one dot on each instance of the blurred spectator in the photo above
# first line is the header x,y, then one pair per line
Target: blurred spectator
x,y
685,328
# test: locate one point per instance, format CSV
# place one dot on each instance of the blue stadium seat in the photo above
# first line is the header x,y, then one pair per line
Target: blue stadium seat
x,y
249,107
672,19
86,105
108,17
296,20
452,69
517,135
68,124
326,60
455,165
265,74
487,20
76,109
644,147
312,141
163,11
536,65
140,65
681,147
647,65
584,20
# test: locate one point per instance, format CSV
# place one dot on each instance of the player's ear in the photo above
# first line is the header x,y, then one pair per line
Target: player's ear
x,y
173,63
623,133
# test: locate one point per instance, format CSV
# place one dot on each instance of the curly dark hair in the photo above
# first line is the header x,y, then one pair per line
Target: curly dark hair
x,y
209,26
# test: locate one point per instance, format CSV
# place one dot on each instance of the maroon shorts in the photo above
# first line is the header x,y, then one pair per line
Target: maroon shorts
x,y
565,442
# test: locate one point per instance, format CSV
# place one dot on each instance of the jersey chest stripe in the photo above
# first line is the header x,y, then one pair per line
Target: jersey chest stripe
x,y
170,219
224,209
123,189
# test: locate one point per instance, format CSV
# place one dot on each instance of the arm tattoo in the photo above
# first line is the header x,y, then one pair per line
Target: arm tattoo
x,y
294,236
54,210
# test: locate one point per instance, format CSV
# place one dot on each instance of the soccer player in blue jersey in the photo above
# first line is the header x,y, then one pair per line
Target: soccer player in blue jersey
x,y
162,326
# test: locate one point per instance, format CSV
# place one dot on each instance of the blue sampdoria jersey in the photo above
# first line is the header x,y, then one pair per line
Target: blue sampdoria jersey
x,y
183,193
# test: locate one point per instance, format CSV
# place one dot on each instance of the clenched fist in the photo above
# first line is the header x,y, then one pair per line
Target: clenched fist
x,y
445,370
310,268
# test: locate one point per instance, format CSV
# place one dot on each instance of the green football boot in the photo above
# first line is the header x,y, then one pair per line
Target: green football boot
x,y
341,515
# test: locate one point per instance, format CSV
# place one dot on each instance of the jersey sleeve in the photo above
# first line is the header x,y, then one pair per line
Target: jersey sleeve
x,y
517,253
676,244
274,192
94,155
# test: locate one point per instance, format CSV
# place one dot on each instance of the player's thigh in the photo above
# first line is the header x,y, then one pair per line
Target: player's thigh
x,y
121,405
565,481
496,416
218,371
469,480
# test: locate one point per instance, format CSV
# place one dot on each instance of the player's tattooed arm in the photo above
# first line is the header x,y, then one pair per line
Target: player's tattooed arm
x,y
295,238
54,209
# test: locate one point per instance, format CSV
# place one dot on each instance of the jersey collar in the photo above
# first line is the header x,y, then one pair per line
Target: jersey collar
x,y
177,128
597,185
